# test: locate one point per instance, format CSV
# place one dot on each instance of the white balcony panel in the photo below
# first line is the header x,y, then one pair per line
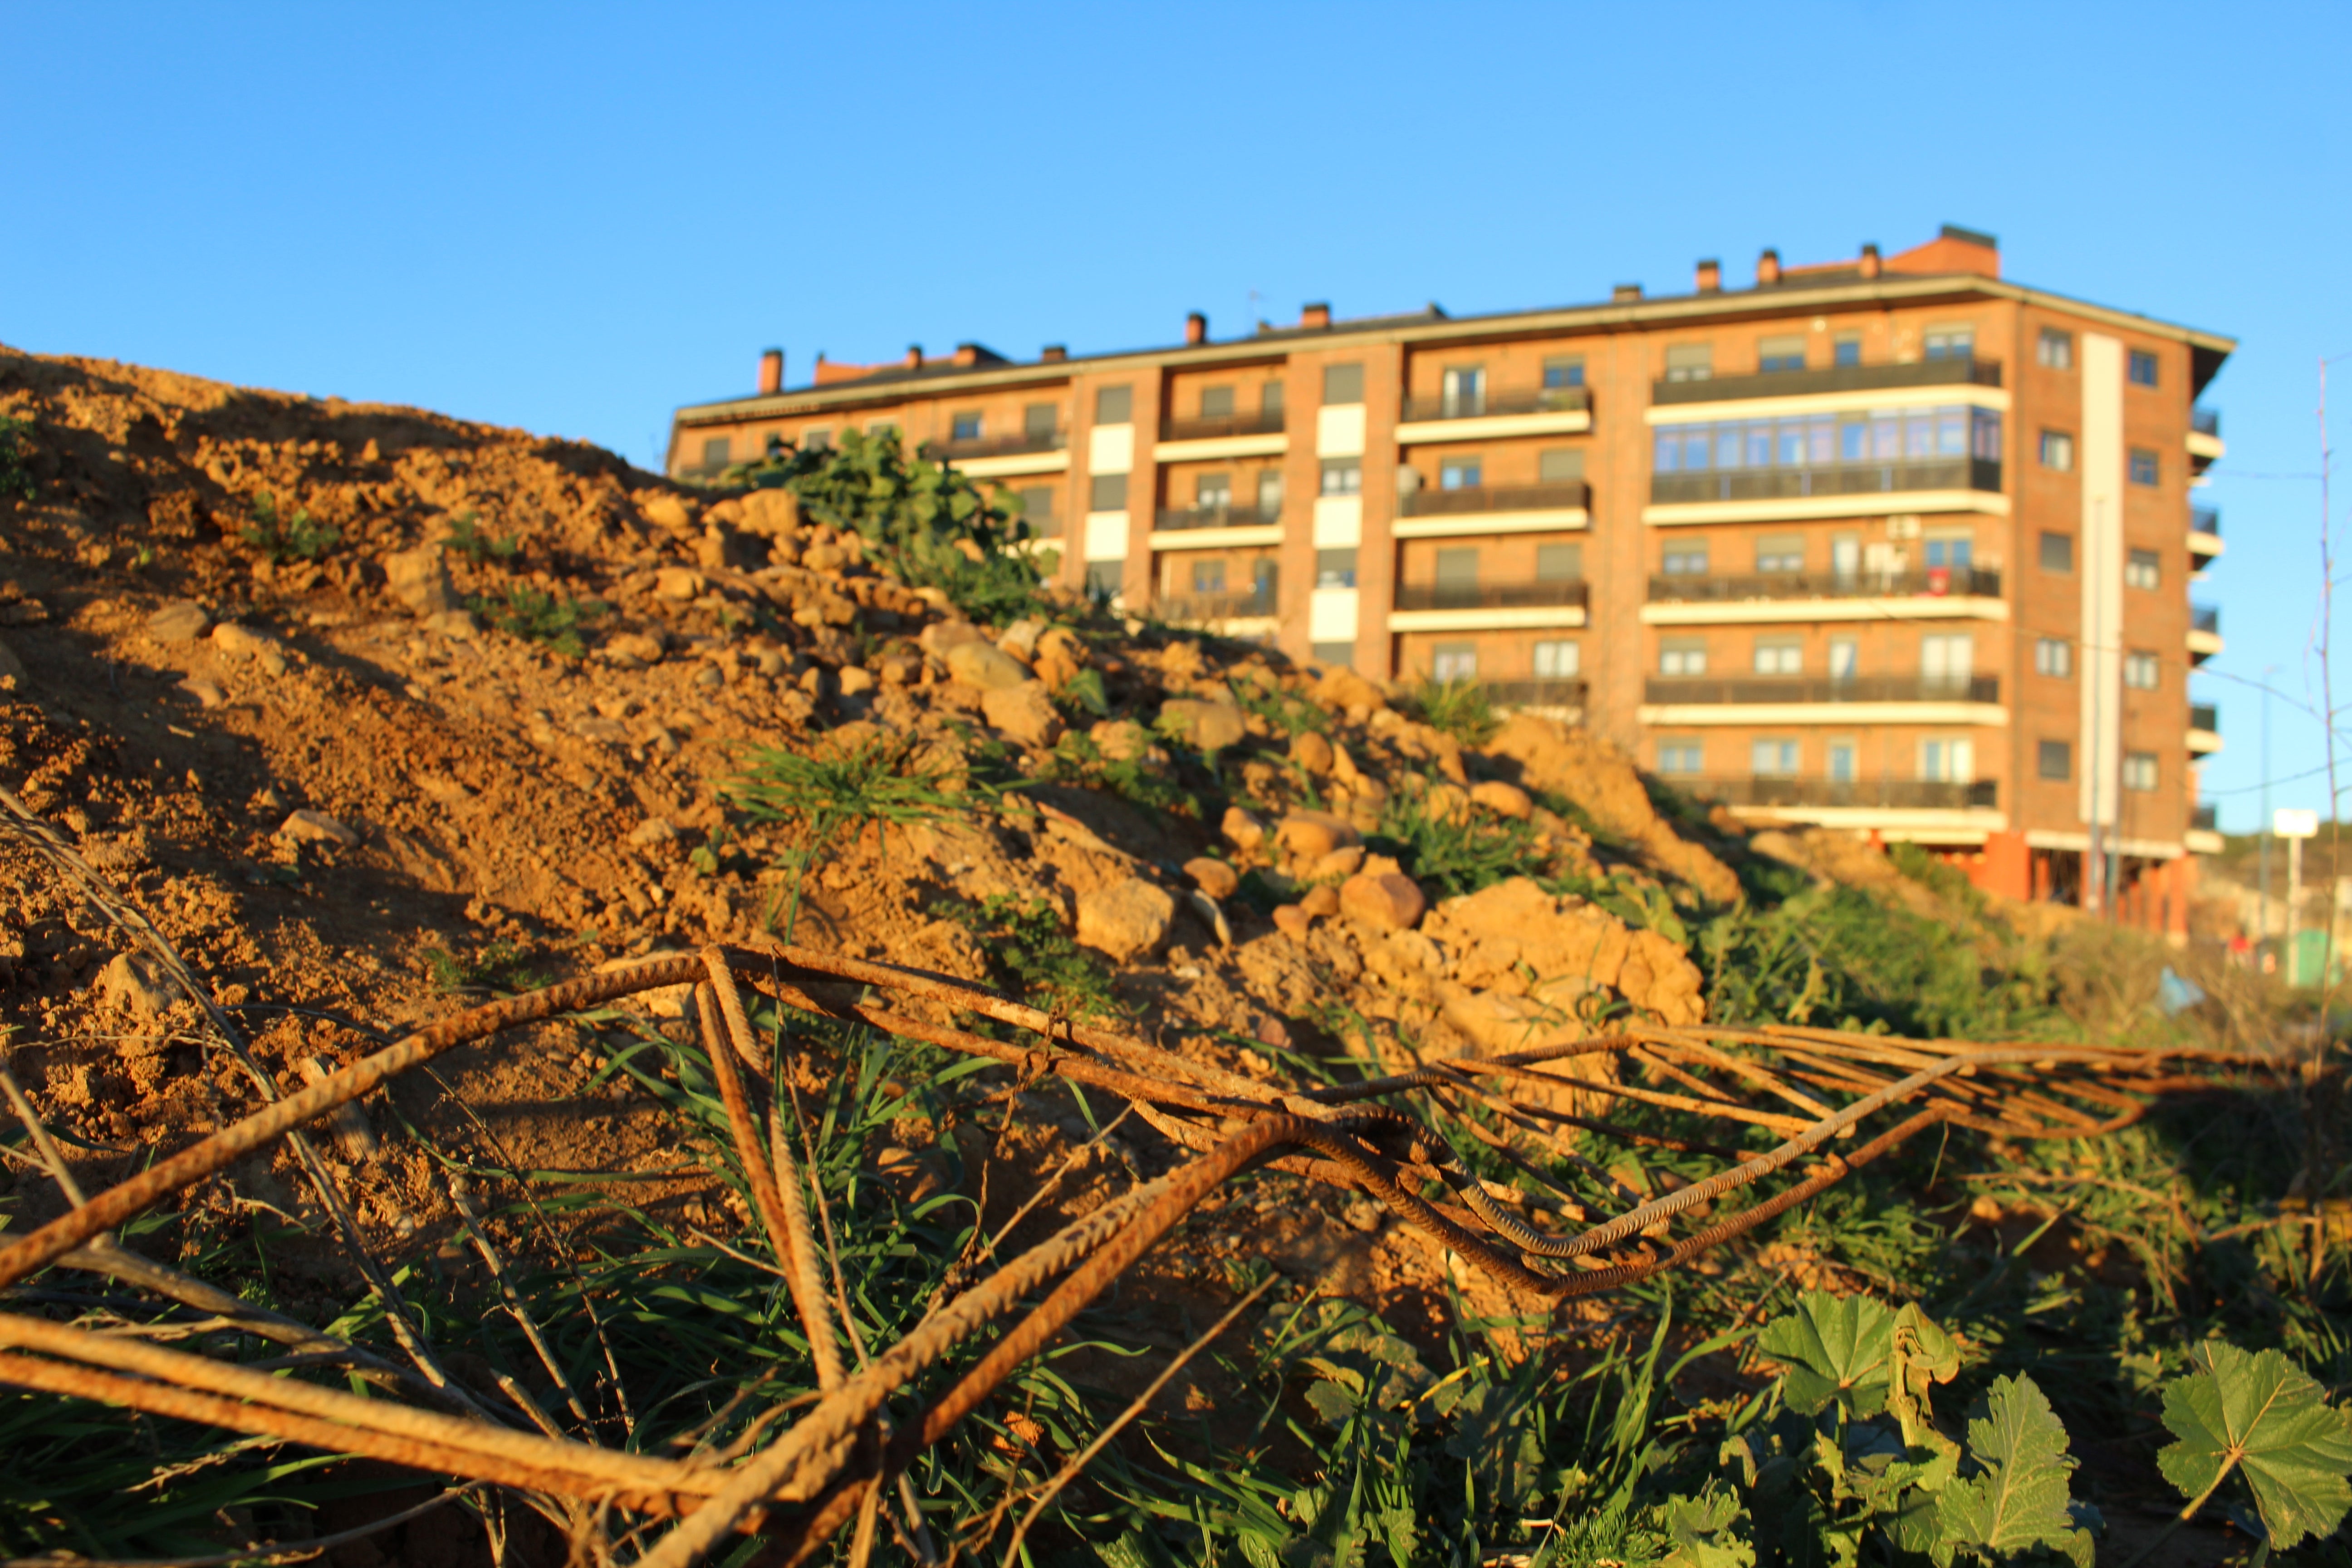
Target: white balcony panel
x,y
1494,426
1105,536
1110,449
1013,463
1455,524
1339,430
1211,448
1331,615
1339,522
1216,538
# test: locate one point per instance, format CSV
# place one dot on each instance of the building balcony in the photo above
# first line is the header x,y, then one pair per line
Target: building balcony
x,y
1832,480
1935,593
1531,411
1829,379
1557,695
2205,817
2205,421
2204,533
2204,729
2204,632
1170,520
1216,609
1490,595
1899,795
1221,426
2204,835
2204,440
1020,443
1688,699
1494,509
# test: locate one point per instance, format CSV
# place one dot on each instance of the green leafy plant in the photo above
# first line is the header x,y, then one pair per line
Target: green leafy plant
x,y
15,474
1459,708
814,796
1028,947
2256,1414
283,539
497,966
1134,778
1286,713
1454,852
542,615
466,537
927,521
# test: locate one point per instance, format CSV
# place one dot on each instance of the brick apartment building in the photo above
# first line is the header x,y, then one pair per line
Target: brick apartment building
x,y
1889,544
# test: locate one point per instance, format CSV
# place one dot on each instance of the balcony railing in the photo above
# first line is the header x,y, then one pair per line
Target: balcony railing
x,y
1490,595
1487,405
1932,582
1217,517
996,445
1914,794
1249,606
1835,480
1560,495
2206,815
1712,690
2205,519
1829,378
2205,715
2205,618
1265,422
2205,421
1568,692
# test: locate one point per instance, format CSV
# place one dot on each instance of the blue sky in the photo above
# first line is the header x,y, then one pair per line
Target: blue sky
x,y
571,218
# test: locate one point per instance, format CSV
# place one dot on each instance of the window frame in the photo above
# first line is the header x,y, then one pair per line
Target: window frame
x,y
2063,751
2053,349
2061,444
2065,542
2054,658
2135,361
2145,467
2144,569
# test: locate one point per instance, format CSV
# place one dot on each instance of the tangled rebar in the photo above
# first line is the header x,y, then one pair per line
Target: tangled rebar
x,y
1384,1136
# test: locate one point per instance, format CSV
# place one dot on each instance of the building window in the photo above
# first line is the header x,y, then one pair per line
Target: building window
x,y
2144,469
1560,563
1686,560
1951,343
1208,576
1466,392
716,452
1845,658
1454,661
1557,660
1773,759
1104,579
2140,368
2055,760
1335,568
2057,451
2139,770
1269,494
1458,569
1037,508
1948,551
817,438
1681,659
1846,350
1039,420
1780,553
1460,474
1779,655
1780,353
1683,757
1343,383
876,428
1343,476
1828,440
1948,760
2054,350
2143,569
1107,492
2057,553
1946,660
2053,657
1265,584
1213,490
1333,655
1269,398
1217,402
1114,405
2141,670
964,427
1842,768
1563,372
1559,464
1690,361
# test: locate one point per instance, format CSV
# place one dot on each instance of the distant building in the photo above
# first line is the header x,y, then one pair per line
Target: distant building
x,y
1889,544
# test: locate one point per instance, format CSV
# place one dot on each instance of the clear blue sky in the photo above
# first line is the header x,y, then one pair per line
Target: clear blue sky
x,y
571,218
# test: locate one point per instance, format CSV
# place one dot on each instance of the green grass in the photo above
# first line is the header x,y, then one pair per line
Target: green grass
x,y
466,537
1033,954
16,472
284,539
814,796
542,615
497,966
1459,708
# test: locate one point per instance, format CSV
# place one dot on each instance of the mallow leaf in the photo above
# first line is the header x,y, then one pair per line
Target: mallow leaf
x,y
2260,1415
1836,1350
2019,1498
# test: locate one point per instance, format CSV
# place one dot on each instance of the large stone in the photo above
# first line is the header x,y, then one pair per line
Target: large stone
x,y
1385,900
680,583
1023,712
1242,830
979,665
307,826
243,642
664,509
1207,726
1311,834
1515,936
722,549
180,620
1126,919
1312,751
769,511
1213,876
419,579
1602,779
1119,739
1341,689
137,983
938,638
1502,799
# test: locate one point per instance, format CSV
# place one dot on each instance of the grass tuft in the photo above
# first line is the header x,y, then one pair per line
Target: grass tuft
x,y
283,539
1457,707
542,615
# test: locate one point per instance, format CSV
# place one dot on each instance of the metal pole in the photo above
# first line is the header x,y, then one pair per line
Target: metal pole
x,y
2263,935
2293,897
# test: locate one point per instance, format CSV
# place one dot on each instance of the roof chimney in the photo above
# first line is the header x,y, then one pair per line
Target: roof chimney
x,y
1767,268
772,372
1710,277
1196,329
1316,315
1055,354
914,356
1625,293
966,354
1870,262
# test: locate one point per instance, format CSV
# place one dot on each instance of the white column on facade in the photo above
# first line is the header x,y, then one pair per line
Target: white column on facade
x,y
2100,561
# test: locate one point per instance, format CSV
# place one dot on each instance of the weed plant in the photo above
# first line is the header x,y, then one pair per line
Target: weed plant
x,y
1454,853
1458,708
814,796
15,469
468,538
1033,954
1286,713
498,967
283,539
1135,779
542,615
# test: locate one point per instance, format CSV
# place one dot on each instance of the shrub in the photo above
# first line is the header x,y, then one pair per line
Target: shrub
x,y
466,537
281,538
15,477
542,615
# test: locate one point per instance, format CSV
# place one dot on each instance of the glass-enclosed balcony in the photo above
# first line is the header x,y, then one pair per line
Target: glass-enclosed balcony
x,y
1897,794
1950,448
1952,370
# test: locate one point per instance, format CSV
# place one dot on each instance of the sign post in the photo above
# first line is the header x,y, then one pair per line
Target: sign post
x,y
2295,824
